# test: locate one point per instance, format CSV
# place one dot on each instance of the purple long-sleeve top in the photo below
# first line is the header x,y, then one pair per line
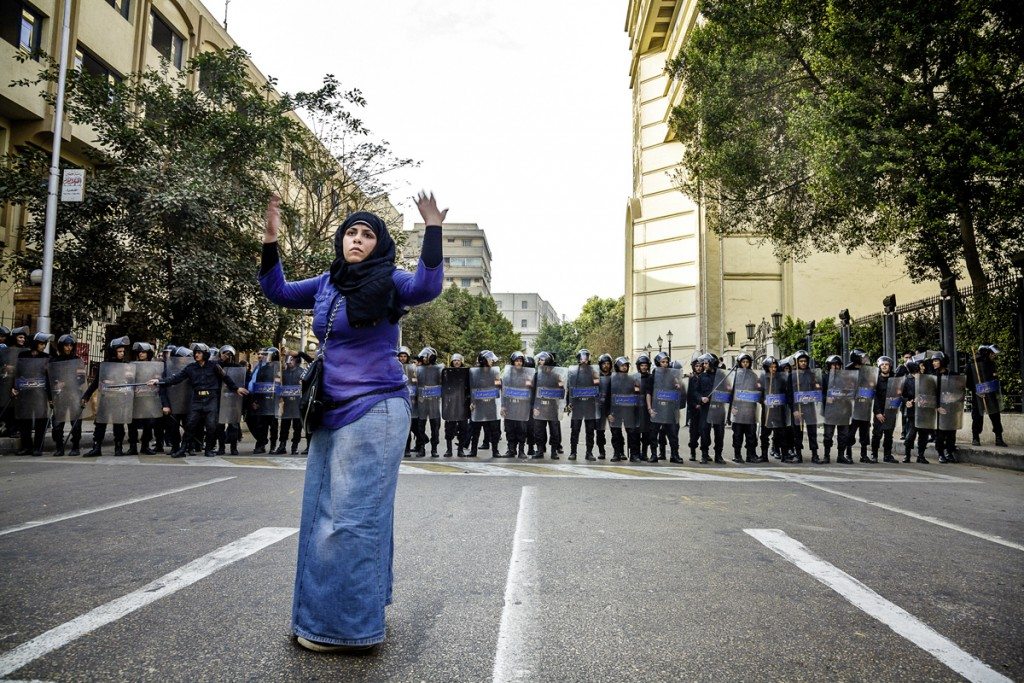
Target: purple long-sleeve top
x,y
357,362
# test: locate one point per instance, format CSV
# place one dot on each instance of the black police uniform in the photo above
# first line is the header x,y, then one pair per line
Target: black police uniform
x,y
206,379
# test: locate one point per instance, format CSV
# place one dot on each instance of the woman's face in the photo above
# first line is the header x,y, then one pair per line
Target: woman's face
x,y
358,243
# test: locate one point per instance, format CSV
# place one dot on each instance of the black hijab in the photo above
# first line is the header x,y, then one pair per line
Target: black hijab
x,y
368,285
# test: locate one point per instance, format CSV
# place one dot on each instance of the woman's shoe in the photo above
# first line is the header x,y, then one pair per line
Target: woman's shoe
x,y
331,647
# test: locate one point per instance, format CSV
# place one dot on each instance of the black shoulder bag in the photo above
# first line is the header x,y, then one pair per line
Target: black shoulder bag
x,y
314,399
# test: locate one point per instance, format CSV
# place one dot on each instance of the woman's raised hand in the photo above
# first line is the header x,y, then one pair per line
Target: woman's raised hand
x,y
428,209
273,224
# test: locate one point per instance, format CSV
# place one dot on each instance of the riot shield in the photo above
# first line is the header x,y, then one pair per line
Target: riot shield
x,y
746,397
774,388
926,401
549,400
68,380
720,398
484,393
517,393
583,383
625,388
669,385
230,402
952,392
9,358
180,394
863,404
988,394
291,394
807,398
428,391
605,390
147,399
33,400
454,389
893,401
842,389
265,390
410,384
116,402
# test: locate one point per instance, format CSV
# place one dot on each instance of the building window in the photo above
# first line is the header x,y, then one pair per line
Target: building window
x,y
86,62
168,43
466,242
22,27
123,7
465,261
524,304
451,240
522,323
466,282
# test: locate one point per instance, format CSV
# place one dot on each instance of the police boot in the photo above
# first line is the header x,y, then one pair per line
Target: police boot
x,y
554,454
719,460
975,441
921,459
179,452
888,457
999,441
572,455
737,457
530,450
676,459
279,450
93,452
704,459
615,458
600,452
448,448
693,455
764,456
58,450
942,457
209,452
461,453
797,456
295,448
133,448
522,452
234,448
815,459
74,452
906,455
118,449
827,457
590,455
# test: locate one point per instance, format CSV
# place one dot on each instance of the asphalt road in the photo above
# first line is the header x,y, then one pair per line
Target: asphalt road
x,y
635,573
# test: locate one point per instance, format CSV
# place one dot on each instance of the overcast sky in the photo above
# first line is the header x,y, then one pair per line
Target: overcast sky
x,y
518,111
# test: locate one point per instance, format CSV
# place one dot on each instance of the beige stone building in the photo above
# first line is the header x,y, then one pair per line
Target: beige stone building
x,y
111,38
467,256
527,312
682,278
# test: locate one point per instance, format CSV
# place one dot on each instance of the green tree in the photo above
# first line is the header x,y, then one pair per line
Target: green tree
x,y
559,338
837,125
458,322
601,325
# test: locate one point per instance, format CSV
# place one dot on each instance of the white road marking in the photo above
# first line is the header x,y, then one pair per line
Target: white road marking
x,y
512,660
924,518
860,596
115,609
88,511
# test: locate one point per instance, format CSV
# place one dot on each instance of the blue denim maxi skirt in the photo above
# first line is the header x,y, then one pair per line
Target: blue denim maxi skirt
x,y
346,542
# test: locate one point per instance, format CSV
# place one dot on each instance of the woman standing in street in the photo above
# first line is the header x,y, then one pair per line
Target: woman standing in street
x,y
344,575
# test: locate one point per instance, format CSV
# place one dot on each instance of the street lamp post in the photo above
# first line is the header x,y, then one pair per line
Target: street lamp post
x,y
776,321
50,231
668,336
660,340
750,331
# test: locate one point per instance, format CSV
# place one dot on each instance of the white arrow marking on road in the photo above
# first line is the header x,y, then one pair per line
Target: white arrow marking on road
x,y
924,518
893,616
166,585
88,511
511,660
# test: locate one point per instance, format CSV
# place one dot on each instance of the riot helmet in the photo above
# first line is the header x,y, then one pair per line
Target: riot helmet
x,y
545,358
583,356
768,362
604,358
530,362
66,340
486,358
621,364
517,355
200,349
834,360
706,358
885,359
273,354
457,358
20,332
989,348
182,352
643,359
744,357
41,338
404,350
661,356
785,364
228,350
5,331
940,358
428,355
858,357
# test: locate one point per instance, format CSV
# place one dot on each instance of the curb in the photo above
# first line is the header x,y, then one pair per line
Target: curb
x,y
1002,458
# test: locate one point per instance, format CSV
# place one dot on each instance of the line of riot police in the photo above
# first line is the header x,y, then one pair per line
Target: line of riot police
x,y
776,409
190,399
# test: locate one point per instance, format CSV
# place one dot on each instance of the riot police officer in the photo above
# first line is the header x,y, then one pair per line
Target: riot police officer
x,y
117,352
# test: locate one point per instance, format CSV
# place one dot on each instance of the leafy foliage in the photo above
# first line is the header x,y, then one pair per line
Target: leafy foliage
x,y
601,325
459,322
842,125
560,338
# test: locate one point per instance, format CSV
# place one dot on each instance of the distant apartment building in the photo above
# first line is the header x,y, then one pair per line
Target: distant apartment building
x,y
526,312
467,256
